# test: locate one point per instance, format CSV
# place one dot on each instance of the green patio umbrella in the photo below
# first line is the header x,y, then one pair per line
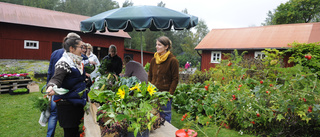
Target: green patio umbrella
x,y
139,18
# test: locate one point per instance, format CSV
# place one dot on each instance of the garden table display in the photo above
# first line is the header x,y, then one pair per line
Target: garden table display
x,y
124,105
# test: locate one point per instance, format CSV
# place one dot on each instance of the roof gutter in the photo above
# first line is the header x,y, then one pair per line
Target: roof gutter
x,y
244,48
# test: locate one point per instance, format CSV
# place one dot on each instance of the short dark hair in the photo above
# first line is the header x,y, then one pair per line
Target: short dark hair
x,y
127,59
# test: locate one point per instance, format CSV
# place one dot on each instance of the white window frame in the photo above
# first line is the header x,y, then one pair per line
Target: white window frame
x,y
216,56
257,53
28,43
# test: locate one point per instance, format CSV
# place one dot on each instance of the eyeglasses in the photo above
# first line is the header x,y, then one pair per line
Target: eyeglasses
x,y
79,47
82,47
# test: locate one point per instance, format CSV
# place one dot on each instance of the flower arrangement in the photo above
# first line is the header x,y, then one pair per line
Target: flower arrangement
x,y
127,105
14,76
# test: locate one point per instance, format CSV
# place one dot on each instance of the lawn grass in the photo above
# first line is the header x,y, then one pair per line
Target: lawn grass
x,y
18,118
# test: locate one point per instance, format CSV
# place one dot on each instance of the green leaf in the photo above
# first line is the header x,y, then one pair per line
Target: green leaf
x,y
301,114
280,117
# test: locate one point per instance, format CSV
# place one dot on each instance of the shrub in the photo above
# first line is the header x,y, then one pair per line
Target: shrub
x,y
278,102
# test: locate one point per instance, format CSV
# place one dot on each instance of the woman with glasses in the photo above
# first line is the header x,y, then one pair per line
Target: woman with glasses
x,y
66,83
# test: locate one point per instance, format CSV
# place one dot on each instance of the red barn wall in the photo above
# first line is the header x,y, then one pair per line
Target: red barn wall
x,y
147,56
12,38
206,58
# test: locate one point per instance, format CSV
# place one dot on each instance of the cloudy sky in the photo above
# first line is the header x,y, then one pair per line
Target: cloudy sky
x,y
221,13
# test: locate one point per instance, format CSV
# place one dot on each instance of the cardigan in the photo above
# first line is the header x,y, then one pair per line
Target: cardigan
x,y
68,77
165,76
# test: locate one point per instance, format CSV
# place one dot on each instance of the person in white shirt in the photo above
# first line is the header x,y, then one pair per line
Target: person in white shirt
x,y
93,58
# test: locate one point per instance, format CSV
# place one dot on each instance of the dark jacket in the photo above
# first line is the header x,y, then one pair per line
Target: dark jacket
x,y
71,79
165,76
55,56
115,66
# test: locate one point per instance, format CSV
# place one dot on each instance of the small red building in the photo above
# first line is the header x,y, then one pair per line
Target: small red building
x,y
254,40
34,33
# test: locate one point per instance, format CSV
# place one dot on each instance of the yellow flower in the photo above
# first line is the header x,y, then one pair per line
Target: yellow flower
x,y
136,87
121,93
150,89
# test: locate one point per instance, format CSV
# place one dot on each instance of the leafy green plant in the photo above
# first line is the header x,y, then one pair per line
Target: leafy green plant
x,y
41,103
19,90
103,68
89,68
127,106
305,54
281,102
147,66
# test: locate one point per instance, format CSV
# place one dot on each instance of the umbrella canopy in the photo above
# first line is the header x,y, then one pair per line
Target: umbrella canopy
x,y
139,18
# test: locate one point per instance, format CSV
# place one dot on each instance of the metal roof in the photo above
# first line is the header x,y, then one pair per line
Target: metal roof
x,y
274,36
18,14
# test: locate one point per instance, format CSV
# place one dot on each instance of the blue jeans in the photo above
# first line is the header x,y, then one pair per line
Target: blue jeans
x,y
166,113
52,122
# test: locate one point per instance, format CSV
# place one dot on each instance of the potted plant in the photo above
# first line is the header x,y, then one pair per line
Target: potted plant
x,y
19,91
128,107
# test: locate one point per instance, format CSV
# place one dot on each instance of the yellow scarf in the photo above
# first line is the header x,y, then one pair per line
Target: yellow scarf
x,y
162,58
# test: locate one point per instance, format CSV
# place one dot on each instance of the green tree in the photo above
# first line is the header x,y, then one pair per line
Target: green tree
x,y
19,2
295,11
86,7
45,4
201,30
127,3
269,19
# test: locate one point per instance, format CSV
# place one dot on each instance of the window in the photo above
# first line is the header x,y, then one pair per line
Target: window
x,y
29,44
259,55
215,56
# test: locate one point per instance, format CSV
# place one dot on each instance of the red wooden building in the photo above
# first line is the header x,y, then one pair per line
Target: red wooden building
x,y
34,33
254,40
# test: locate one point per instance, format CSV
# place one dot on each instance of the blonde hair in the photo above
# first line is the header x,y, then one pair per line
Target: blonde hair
x,y
88,45
113,47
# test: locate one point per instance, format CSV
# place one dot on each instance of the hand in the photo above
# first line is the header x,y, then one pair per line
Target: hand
x,y
50,91
92,62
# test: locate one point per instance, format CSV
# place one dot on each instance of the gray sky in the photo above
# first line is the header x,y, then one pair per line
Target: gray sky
x,y
221,13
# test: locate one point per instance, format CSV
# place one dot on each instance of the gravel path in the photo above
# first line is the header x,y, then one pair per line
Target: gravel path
x,y
29,65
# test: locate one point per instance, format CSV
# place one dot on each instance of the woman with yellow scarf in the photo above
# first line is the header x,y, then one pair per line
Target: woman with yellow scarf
x,y
164,72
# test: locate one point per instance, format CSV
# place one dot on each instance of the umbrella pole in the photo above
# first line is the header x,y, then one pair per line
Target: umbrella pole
x,y
141,48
